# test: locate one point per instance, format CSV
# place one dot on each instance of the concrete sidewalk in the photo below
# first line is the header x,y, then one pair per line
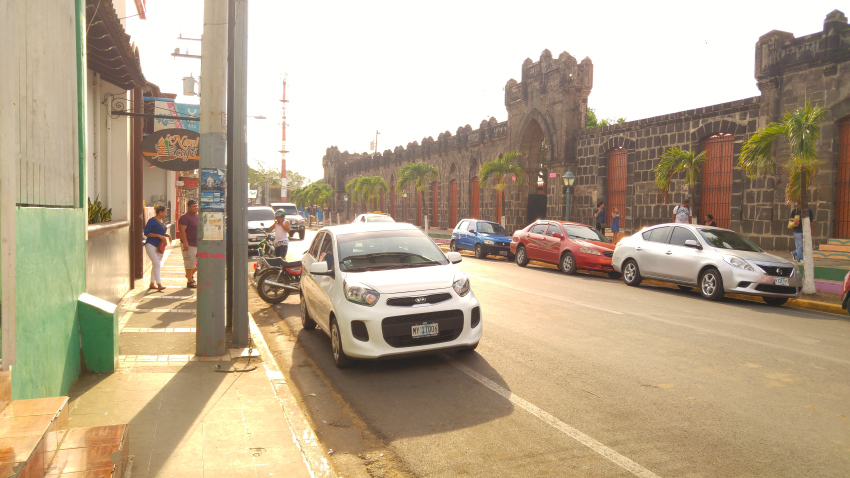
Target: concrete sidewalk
x,y
189,416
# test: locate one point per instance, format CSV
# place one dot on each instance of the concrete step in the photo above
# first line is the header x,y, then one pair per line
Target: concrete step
x,y
831,255
30,434
829,247
839,242
92,452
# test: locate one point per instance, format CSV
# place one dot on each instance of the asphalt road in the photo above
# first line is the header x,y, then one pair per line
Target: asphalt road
x,y
584,376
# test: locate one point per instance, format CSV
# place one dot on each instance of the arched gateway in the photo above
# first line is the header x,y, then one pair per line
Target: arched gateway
x,y
547,107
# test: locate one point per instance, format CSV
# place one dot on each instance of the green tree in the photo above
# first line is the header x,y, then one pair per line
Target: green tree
x,y
419,174
369,189
801,130
675,161
594,122
295,180
500,168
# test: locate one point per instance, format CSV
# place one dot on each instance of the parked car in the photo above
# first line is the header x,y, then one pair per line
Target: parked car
x,y
572,246
483,237
372,217
296,221
385,290
845,294
260,219
715,260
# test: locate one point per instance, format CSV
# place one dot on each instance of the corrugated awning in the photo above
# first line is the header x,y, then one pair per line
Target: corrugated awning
x,y
109,51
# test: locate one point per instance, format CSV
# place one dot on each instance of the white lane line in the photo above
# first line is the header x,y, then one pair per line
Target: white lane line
x,y
573,433
548,296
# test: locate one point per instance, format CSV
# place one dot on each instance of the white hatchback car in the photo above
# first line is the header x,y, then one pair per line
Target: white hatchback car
x,y
372,217
385,290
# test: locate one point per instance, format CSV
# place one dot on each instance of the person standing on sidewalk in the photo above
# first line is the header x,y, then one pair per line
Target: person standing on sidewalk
x,y
281,228
615,224
796,222
155,233
599,217
188,232
682,213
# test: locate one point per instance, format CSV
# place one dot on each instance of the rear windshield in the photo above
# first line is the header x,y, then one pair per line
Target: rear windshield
x,y
260,215
491,228
726,239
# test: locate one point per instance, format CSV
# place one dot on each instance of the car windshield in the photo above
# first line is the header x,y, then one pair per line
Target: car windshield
x,y
581,233
380,250
260,215
491,228
290,210
379,219
725,239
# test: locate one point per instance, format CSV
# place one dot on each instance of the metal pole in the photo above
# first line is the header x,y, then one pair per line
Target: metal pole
x,y
239,174
210,337
228,235
567,214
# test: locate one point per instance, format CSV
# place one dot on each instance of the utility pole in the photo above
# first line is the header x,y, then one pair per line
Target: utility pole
x,y
239,173
210,337
283,151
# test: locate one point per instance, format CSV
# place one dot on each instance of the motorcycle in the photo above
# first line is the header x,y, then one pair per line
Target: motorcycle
x,y
276,278
264,250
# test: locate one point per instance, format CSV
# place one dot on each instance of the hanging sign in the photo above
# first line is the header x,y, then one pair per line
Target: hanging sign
x,y
172,149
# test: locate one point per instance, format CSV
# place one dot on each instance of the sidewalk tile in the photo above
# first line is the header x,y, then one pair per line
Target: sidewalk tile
x,y
288,470
232,458
278,455
231,472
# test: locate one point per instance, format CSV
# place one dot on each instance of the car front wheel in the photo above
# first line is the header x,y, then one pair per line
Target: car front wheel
x,y
568,263
479,252
307,322
711,284
340,359
631,273
521,257
453,246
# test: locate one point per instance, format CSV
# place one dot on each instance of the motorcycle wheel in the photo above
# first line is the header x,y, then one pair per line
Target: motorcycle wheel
x,y
268,293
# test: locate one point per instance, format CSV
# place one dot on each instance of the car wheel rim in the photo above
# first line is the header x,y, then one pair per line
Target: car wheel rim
x,y
568,263
303,310
271,292
629,273
335,341
454,247
520,256
709,284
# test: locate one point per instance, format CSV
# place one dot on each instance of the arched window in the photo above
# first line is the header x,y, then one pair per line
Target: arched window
x,y
842,197
475,197
453,203
617,173
717,179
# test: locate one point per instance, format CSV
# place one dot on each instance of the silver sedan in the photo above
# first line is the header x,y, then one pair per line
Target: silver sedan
x,y
715,260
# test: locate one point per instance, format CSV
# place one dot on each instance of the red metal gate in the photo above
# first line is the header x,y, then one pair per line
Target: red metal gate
x,y
842,196
499,198
617,168
382,201
418,207
717,179
392,202
435,205
452,203
475,197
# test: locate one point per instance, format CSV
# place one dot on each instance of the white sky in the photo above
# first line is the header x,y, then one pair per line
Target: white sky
x,y
415,69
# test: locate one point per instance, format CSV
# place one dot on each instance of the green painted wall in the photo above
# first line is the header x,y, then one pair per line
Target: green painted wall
x,y
50,277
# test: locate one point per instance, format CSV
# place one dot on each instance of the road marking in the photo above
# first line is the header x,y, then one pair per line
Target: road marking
x,y
548,296
573,433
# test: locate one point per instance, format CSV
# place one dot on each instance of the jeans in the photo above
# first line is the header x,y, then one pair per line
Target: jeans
x,y
156,262
280,251
798,243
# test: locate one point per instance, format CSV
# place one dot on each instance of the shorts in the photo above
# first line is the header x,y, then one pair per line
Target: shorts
x,y
190,257
280,251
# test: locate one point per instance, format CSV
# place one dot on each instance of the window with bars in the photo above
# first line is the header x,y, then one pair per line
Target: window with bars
x,y
717,178
842,197
617,174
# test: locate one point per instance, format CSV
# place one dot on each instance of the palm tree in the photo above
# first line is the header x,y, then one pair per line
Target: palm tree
x,y
500,168
675,161
801,130
420,174
369,189
351,189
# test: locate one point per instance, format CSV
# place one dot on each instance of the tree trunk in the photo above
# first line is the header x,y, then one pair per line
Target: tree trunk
x,y
805,221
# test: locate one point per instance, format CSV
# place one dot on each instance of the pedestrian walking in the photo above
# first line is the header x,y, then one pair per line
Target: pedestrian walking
x,y
599,216
709,220
795,223
281,228
615,224
187,226
155,233
682,213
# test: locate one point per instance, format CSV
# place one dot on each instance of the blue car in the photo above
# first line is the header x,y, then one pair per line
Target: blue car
x,y
483,237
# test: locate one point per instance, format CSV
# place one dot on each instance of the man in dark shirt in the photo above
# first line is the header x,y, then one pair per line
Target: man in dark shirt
x,y
796,220
188,230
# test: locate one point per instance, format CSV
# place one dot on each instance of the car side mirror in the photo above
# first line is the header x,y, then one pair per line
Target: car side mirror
x,y
454,257
692,243
472,231
320,269
558,235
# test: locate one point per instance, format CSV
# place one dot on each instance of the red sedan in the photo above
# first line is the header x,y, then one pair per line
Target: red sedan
x,y
570,245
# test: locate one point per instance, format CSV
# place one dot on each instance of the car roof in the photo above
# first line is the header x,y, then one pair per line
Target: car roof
x,y
369,227
694,226
254,208
282,204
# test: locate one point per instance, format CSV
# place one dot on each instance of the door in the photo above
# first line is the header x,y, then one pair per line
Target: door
x,y
435,205
393,212
500,196
324,284
418,208
842,196
552,249
536,207
536,241
682,263
308,281
460,235
717,179
651,253
474,197
453,202
617,180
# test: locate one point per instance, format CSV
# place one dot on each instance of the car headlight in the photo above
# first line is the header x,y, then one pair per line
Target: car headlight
x,y
360,294
488,242
736,261
590,250
461,284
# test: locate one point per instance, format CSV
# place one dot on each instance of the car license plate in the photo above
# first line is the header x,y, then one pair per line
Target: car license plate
x,y
424,330
503,253
780,281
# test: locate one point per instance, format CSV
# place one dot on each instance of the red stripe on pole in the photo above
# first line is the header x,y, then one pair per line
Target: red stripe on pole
x,y
207,255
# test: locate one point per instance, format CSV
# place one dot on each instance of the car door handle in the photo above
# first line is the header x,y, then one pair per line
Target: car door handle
x,y
638,248
669,252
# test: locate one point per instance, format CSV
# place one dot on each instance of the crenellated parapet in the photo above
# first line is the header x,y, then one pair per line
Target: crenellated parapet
x,y
549,75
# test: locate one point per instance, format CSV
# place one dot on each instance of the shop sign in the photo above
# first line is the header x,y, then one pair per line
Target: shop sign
x,y
172,149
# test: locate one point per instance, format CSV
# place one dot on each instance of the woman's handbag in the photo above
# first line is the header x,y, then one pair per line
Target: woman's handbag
x,y
161,247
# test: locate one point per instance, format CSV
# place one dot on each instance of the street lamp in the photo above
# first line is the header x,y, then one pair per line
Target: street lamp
x,y
345,198
569,179
404,195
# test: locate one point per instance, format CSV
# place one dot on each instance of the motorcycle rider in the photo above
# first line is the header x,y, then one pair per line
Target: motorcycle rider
x,y
281,228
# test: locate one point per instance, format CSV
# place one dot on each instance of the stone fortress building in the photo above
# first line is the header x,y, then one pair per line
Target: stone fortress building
x,y
615,162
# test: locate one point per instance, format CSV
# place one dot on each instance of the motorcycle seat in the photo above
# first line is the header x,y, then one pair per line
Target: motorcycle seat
x,y
278,262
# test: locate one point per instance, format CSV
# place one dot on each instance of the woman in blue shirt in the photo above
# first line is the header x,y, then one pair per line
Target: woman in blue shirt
x,y
155,233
